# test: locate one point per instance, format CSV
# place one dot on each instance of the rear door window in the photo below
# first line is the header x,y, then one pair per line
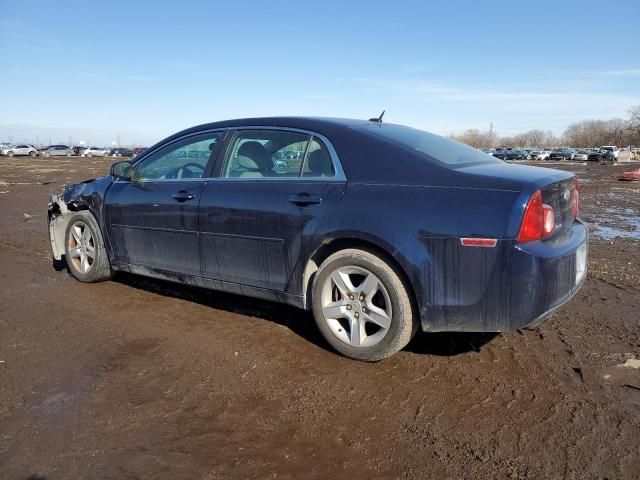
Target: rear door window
x,y
271,153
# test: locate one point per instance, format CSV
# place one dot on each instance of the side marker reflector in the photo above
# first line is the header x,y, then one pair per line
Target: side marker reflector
x,y
479,242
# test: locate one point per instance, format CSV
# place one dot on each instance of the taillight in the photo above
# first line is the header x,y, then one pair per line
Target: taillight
x,y
538,220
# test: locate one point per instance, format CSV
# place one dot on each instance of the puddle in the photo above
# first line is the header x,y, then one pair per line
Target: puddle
x,y
616,222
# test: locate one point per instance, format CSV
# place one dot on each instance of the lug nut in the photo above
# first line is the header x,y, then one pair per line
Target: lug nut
x,y
348,307
356,314
350,297
361,298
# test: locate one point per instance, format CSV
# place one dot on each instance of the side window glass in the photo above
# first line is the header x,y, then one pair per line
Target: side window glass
x,y
185,159
265,154
318,162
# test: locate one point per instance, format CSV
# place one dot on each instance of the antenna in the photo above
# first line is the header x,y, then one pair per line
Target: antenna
x,y
378,119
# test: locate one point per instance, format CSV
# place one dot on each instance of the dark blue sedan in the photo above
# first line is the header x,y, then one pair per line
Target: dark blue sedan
x,y
379,229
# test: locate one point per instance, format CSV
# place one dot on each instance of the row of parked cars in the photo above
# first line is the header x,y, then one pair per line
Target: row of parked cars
x,y
604,153
65,150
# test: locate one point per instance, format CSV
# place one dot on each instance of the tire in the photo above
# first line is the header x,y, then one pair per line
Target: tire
x,y
88,155
388,301
68,154
9,154
32,154
99,269
47,154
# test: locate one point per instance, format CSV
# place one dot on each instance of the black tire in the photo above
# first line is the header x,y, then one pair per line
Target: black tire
x,y
100,269
403,325
32,154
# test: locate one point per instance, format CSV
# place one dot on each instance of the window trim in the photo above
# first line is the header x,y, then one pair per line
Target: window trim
x,y
339,176
210,166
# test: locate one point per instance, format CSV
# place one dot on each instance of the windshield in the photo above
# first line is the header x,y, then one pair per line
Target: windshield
x,y
437,148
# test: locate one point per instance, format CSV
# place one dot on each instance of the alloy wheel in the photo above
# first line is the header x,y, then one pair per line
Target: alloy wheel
x,y
356,306
82,248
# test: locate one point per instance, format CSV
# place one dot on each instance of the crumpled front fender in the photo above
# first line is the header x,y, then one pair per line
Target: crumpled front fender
x,y
58,216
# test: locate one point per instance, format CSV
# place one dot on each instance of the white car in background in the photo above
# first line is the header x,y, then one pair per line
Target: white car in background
x,y
22,149
95,152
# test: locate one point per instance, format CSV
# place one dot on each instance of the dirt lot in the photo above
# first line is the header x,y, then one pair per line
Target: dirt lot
x,y
138,378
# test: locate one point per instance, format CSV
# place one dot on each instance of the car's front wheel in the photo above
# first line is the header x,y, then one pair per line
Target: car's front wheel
x,y
85,253
362,306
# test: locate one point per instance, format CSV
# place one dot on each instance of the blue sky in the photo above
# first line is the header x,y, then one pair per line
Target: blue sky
x,y
143,70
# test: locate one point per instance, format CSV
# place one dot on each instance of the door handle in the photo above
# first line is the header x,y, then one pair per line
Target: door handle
x,y
183,196
304,199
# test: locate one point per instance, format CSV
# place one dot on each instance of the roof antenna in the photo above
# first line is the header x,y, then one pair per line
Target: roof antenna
x,y
379,119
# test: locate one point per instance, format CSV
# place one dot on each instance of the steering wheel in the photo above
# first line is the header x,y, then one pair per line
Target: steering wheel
x,y
180,171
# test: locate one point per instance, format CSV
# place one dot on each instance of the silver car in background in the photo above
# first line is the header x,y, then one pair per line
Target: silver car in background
x,y
581,155
95,152
22,149
55,151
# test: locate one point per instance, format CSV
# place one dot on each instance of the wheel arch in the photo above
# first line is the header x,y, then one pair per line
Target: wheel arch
x,y
59,215
371,245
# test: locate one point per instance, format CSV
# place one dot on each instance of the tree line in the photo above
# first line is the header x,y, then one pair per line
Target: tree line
x,y
586,133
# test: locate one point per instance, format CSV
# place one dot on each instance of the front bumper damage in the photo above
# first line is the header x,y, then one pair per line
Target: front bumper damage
x,y
57,215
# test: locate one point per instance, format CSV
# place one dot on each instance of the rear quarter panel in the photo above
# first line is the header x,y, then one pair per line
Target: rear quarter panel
x,y
421,227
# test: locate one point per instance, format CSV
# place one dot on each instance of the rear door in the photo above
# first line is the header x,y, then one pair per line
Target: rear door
x,y
153,218
274,187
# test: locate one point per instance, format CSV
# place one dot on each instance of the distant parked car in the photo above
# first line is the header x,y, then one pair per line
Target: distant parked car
x,y
121,152
21,150
561,154
138,150
55,151
538,155
95,152
611,148
516,155
488,151
500,153
581,155
608,154
594,155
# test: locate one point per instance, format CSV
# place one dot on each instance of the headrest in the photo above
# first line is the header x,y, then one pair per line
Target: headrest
x,y
320,163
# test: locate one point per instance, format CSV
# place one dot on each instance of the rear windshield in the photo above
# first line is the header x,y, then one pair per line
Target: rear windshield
x,y
437,148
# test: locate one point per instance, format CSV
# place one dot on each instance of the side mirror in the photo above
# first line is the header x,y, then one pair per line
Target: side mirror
x,y
123,170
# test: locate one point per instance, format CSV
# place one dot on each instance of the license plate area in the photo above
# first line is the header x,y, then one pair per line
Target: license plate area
x,y
581,263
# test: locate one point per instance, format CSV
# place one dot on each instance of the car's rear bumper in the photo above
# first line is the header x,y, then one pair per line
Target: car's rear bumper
x,y
512,287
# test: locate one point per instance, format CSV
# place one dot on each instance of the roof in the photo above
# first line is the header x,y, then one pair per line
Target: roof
x,y
321,125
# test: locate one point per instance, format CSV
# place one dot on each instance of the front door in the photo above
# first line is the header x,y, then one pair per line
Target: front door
x,y
152,219
274,187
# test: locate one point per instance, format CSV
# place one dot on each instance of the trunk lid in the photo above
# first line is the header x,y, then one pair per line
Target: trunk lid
x,y
557,188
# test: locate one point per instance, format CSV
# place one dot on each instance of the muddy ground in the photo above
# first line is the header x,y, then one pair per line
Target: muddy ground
x,y
137,378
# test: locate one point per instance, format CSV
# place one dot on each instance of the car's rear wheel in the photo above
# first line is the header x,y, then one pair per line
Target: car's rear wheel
x,y
32,154
85,253
10,154
362,306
